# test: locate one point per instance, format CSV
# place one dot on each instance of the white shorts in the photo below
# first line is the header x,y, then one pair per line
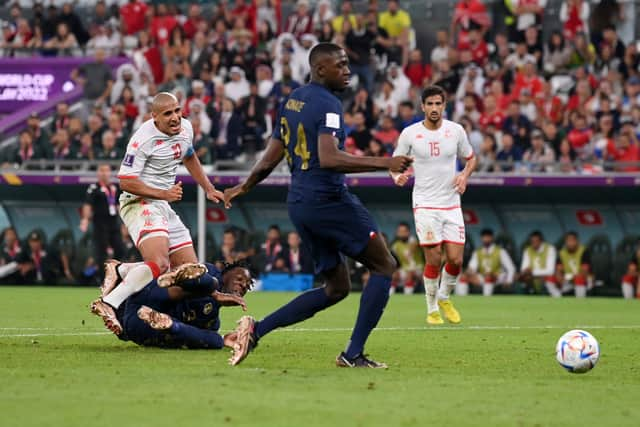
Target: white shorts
x,y
153,218
435,226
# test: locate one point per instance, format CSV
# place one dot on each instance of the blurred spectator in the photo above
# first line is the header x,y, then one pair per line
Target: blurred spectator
x,y
162,25
194,21
38,263
361,134
101,16
538,263
266,13
25,151
252,110
517,125
40,135
226,131
441,51
295,256
108,150
491,114
200,53
574,14
467,14
10,253
406,249
557,53
337,23
61,118
201,141
487,154
107,38
96,79
387,133
624,151
231,250
631,280
238,87
416,70
572,269
74,23
376,148
322,14
116,126
64,42
406,115
363,104
566,157
580,137
85,149
50,23
197,94
584,52
528,14
359,43
395,21
61,148
299,22
510,155
272,248
540,156
490,266
385,102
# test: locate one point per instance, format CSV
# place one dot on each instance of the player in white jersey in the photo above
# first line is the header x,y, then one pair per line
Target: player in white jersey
x,y
147,179
436,144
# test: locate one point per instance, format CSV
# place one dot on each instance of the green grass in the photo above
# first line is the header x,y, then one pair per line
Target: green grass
x,y
58,369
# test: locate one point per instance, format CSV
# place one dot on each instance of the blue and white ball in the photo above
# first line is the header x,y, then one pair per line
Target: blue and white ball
x,y
577,351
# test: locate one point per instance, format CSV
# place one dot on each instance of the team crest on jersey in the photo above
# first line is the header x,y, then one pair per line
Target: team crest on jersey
x,y
128,160
447,133
148,223
419,136
208,308
135,145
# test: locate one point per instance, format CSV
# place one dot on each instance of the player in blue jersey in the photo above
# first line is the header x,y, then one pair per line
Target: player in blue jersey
x,y
187,314
331,221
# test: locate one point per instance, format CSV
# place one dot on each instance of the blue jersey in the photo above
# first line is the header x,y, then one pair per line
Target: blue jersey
x,y
310,111
202,312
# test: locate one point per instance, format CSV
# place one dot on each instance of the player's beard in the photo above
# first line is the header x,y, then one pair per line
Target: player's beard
x,y
434,120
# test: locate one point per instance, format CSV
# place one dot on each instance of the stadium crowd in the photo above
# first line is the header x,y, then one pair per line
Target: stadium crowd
x,y
566,103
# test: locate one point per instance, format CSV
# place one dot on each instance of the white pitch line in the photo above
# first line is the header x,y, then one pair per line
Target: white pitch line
x,y
383,329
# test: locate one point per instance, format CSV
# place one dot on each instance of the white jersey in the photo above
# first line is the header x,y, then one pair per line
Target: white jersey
x,y
434,165
154,157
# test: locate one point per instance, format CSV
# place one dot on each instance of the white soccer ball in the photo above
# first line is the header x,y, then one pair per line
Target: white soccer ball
x,y
577,351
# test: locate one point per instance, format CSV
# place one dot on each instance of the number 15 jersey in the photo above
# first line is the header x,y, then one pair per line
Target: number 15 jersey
x,y
310,111
435,153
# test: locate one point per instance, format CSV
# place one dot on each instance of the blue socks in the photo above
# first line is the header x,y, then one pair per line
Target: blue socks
x,y
193,337
372,303
300,308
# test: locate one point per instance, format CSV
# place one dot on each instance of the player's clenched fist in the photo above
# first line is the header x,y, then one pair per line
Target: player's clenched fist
x,y
400,164
401,180
174,194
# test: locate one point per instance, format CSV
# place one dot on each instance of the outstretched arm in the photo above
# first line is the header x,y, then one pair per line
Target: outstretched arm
x,y
193,165
270,159
333,158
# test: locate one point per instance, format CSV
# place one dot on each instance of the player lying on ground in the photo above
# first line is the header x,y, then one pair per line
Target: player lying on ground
x,y
186,314
148,183
436,144
331,221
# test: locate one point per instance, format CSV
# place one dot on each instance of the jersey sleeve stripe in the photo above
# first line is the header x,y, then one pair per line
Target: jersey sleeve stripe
x,y
180,245
470,156
128,176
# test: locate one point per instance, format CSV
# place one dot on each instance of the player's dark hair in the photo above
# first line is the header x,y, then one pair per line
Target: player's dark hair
x,y
407,104
274,227
403,224
571,233
434,90
320,50
486,232
239,263
536,233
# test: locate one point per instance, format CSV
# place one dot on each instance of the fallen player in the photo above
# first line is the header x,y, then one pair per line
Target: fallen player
x,y
185,313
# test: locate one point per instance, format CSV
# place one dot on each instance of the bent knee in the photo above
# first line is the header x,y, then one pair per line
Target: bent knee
x,y
336,293
162,263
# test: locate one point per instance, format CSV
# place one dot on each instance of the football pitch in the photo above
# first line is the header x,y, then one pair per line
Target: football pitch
x,y
58,367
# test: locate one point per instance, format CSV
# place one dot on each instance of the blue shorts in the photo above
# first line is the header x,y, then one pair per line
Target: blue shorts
x,y
332,225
